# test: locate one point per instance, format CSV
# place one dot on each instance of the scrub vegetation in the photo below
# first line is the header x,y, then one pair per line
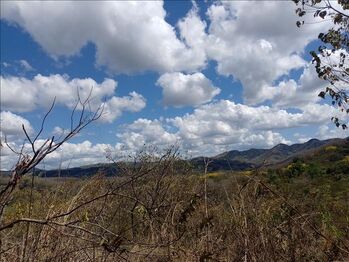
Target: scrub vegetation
x,y
159,209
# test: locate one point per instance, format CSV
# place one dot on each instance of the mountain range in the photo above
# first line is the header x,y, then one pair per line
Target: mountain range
x,y
279,155
234,160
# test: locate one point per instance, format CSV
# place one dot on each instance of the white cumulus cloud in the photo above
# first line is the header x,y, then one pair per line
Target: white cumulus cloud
x,y
11,126
19,94
224,125
248,44
68,155
130,36
186,90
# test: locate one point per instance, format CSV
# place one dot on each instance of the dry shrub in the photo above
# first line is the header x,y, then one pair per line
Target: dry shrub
x,y
157,210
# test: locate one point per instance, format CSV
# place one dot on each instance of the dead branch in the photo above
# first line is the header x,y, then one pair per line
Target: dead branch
x,y
27,161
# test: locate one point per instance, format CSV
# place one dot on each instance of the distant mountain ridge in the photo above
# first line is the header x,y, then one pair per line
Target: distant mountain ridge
x,y
235,160
253,158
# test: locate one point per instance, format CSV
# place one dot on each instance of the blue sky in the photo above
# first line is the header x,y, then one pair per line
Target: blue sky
x,y
209,76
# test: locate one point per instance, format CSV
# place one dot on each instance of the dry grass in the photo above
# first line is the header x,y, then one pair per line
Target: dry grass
x,y
157,212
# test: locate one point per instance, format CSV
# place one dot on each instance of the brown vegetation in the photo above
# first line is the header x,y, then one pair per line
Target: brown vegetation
x,y
158,210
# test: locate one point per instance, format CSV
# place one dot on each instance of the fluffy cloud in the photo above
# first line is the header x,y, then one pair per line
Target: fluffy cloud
x,y
186,90
298,94
114,107
11,126
247,43
192,32
192,29
330,131
207,131
79,154
252,48
129,36
69,155
323,132
146,132
20,94
209,118
134,36
152,132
